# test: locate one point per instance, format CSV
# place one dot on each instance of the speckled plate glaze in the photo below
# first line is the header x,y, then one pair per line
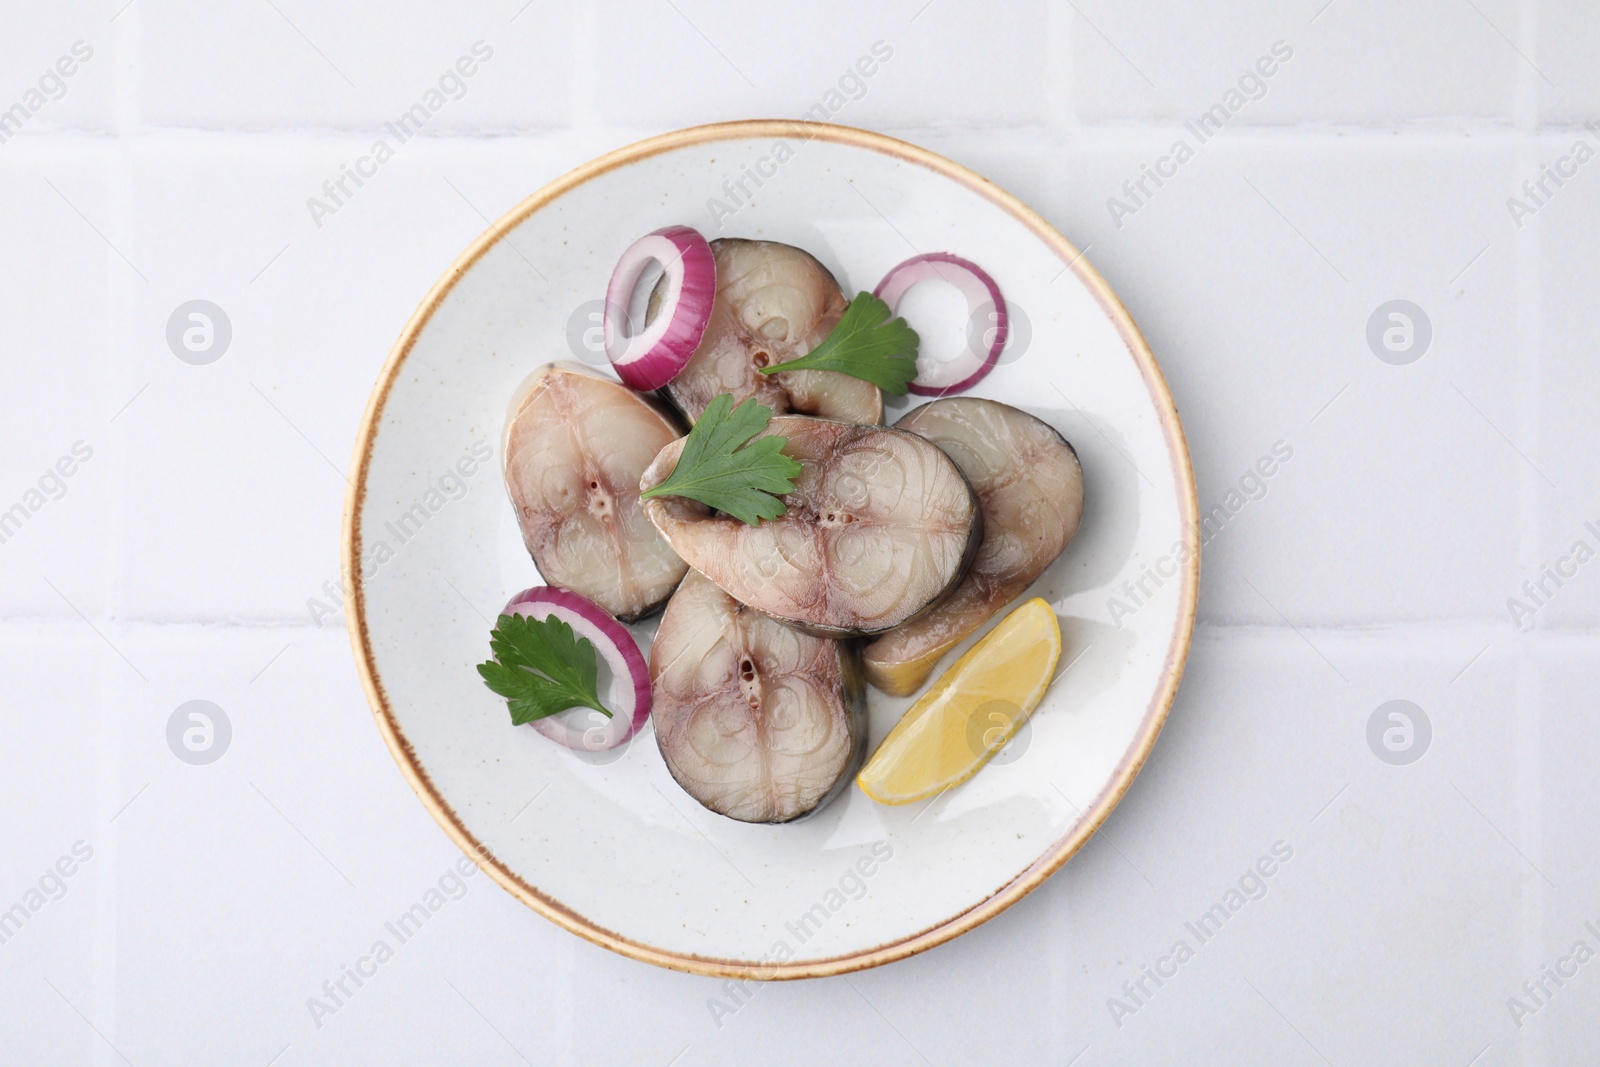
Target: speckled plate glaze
x,y
608,846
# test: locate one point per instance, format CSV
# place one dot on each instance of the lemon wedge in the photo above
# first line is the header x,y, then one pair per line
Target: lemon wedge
x,y
970,712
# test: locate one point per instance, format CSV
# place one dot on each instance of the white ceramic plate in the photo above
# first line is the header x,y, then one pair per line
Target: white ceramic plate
x,y
609,846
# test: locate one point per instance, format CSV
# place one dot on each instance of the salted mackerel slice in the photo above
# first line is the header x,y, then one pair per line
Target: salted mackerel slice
x,y
881,524
575,445
755,719
1030,488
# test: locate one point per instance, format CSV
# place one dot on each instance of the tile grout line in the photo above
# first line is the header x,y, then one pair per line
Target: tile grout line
x,y
126,53
1529,493
1062,113
1105,135
582,118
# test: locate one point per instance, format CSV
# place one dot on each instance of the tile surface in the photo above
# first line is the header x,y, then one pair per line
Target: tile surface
x,y
170,509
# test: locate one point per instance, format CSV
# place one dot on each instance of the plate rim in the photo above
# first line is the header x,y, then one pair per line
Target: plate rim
x,y
1052,858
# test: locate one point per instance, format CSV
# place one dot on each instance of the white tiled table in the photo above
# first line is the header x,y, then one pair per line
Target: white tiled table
x,y
179,557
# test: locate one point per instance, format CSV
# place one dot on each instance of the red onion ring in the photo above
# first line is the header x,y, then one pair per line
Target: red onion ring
x,y
653,357
586,729
935,378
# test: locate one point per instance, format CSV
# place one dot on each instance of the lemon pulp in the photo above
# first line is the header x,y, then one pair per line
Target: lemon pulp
x,y
970,713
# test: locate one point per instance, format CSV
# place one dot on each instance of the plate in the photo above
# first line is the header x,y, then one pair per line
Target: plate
x,y
607,845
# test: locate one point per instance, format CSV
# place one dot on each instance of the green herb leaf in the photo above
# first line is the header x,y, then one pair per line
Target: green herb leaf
x,y
867,344
542,668
722,468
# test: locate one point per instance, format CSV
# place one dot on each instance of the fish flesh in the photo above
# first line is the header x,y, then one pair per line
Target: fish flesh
x,y
575,446
774,303
880,525
1029,486
755,720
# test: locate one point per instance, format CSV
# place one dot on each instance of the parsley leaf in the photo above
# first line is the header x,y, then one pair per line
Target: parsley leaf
x,y
542,668
722,468
867,344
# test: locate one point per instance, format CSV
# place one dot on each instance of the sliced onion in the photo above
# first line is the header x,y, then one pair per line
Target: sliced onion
x,y
936,377
653,357
586,729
